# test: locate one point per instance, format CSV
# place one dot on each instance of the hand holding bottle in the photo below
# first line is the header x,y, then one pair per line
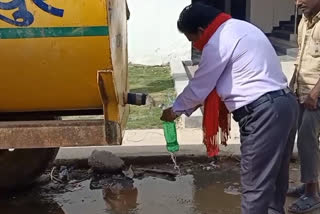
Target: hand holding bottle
x,y
168,115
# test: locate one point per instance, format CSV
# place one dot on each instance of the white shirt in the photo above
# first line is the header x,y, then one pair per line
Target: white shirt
x,y
240,62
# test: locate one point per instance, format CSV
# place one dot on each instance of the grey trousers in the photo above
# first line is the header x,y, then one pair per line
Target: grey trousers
x,y
308,144
267,139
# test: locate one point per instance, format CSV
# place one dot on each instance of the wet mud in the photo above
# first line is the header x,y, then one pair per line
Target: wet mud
x,y
199,188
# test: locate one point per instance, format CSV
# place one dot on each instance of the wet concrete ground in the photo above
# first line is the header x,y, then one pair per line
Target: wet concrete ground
x,y
202,188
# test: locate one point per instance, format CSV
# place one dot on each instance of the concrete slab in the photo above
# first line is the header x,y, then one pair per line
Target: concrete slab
x,y
286,58
151,142
139,143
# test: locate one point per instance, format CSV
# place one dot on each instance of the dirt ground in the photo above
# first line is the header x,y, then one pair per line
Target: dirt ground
x,y
199,188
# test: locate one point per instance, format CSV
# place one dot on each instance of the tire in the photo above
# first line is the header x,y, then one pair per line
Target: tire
x,y
21,167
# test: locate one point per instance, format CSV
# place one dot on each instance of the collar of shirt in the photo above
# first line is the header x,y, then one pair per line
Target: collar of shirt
x,y
314,20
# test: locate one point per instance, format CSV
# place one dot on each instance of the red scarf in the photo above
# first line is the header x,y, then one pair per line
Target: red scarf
x,y
216,114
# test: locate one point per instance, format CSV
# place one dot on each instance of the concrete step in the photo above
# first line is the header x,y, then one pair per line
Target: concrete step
x,y
284,47
287,59
285,22
286,27
291,21
283,34
285,30
283,42
293,52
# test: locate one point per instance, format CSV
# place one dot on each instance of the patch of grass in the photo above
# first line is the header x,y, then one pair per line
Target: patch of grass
x,y
155,81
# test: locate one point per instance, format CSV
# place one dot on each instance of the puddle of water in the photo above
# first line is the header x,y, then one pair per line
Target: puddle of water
x,y
203,191
190,194
29,204
199,193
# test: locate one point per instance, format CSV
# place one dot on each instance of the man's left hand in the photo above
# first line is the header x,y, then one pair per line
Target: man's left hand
x,y
311,101
168,115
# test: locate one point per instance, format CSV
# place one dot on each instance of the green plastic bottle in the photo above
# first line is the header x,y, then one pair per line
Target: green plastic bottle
x,y
170,134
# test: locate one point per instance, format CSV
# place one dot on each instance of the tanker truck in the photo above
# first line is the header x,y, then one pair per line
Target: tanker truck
x,y
61,60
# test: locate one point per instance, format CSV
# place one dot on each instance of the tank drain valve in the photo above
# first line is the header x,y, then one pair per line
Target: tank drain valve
x,y
138,99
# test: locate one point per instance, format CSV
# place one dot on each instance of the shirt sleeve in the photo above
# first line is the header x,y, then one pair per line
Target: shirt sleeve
x,y
213,62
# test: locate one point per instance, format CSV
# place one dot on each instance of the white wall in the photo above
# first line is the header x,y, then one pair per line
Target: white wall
x,y
153,36
152,32
268,13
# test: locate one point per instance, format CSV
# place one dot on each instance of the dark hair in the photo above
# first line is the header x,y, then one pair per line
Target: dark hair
x,y
196,15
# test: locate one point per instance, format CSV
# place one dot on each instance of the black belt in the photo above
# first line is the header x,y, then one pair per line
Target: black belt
x,y
245,110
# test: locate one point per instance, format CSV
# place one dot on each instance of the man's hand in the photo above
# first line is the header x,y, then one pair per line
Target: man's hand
x,y
168,115
311,100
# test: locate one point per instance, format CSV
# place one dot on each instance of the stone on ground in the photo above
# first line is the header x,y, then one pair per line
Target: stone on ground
x,y
104,161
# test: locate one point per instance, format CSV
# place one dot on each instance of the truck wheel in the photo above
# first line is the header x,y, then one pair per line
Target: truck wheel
x,y
21,167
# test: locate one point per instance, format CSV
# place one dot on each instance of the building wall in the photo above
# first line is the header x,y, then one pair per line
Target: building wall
x,y
267,14
153,38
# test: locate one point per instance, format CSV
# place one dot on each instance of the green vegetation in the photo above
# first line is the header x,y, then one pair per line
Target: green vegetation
x,y
157,82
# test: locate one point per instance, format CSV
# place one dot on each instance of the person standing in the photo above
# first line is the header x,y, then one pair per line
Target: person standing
x,y
240,66
306,85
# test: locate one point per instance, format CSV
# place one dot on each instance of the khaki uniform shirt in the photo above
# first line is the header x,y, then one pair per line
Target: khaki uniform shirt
x,y
308,61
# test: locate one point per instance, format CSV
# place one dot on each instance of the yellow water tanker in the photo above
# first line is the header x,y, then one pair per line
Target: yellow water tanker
x,y
59,58
52,52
